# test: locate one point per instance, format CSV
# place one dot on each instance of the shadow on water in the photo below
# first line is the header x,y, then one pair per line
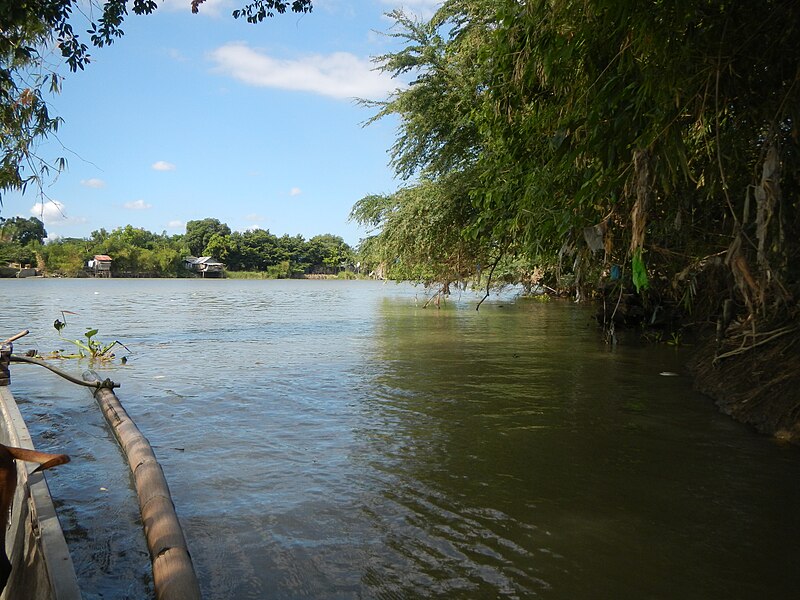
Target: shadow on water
x,y
335,440
519,456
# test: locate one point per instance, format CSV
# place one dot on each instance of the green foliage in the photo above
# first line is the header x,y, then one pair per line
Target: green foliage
x,y
248,275
138,252
90,347
282,270
66,257
199,234
328,254
10,252
258,10
18,243
420,233
672,127
22,230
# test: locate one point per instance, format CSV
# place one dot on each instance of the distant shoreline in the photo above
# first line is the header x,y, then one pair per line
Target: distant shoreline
x,y
346,275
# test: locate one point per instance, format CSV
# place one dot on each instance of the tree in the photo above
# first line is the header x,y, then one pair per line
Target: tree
x,y
420,233
199,234
28,30
328,252
668,134
21,230
433,231
218,245
66,256
258,250
293,250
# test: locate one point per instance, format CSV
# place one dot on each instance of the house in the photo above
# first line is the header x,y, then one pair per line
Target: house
x,y
101,265
205,266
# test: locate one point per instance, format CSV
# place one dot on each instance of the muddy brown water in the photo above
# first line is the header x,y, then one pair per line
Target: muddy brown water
x,y
332,439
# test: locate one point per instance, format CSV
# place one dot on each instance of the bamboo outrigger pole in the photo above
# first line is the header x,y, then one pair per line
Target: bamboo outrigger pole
x,y
174,577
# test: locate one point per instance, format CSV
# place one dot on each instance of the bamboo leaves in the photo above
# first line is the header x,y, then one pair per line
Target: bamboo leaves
x,y
656,119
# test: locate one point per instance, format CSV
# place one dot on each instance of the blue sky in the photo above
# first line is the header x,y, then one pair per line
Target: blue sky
x,y
193,116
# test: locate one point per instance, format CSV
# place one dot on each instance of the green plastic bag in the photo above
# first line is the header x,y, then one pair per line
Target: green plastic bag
x,y
639,272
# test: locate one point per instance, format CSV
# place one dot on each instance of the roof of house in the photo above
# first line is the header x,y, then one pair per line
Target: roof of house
x,y
203,260
208,260
102,257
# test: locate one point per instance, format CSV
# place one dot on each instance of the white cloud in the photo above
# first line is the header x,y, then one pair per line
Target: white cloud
x,y
48,211
93,183
340,75
175,224
176,55
163,165
421,8
53,212
295,191
254,218
137,205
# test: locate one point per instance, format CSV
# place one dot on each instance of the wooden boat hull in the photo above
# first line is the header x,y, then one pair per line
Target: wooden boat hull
x,y
41,565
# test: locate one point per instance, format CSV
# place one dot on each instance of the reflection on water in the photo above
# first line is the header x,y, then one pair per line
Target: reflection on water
x,y
327,439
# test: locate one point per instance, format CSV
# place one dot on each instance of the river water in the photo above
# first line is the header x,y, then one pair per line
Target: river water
x,y
333,439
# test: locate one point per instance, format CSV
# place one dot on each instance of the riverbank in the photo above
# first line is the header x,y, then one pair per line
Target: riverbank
x,y
751,375
755,380
9,273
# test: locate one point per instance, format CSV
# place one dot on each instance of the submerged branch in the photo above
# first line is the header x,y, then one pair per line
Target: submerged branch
x,y
489,280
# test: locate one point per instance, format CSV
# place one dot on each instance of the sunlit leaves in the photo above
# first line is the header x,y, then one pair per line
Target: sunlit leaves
x,y
544,105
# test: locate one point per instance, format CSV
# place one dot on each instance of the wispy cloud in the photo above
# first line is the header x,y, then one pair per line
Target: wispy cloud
x,y
340,75
175,225
53,212
295,191
254,218
163,165
421,8
93,183
176,55
137,205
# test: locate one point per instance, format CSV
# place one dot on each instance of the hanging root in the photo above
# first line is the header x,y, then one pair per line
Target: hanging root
x,y
745,347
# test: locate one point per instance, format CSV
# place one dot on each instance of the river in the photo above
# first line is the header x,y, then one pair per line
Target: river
x,y
333,439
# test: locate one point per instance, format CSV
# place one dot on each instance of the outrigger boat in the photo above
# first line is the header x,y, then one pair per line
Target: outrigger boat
x,y
41,566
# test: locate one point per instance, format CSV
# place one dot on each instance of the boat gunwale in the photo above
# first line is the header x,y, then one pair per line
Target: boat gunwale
x,y
32,488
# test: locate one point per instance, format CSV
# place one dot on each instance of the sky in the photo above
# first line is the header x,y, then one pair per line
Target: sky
x,y
195,116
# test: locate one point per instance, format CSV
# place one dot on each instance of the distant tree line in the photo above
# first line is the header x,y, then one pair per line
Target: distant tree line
x,y
260,250
137,252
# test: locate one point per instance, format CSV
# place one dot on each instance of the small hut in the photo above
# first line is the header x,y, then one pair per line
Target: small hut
x,y
101,265
205,266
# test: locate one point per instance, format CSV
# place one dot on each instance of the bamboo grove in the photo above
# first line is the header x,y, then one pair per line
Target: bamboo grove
x,y
563,140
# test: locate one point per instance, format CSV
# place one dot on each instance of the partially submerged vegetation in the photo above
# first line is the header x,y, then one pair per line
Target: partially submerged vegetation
x,y
89,347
